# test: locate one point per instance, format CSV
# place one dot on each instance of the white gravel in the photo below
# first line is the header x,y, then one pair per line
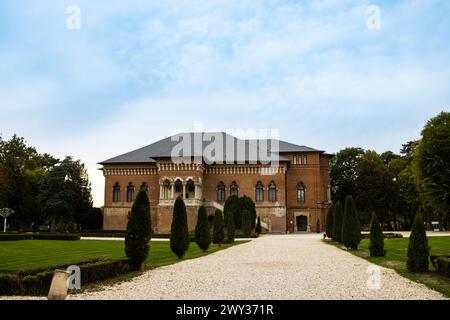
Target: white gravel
x,y
270,267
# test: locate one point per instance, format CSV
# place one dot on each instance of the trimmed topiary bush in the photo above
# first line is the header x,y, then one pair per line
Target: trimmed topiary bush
x,y
179,233
246,223
258,228
139,232
351,228
231,208
231,231
418,250
337,222
219,229
376,246
202,232
246,203
329,227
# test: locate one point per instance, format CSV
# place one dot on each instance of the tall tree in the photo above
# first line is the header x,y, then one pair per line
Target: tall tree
x,y
219,228
179,233
351,229
231,229
139,231
202,232
330,216
343,173
433,162
337,222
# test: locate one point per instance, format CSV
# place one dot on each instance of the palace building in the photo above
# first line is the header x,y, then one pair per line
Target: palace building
x,y
289,183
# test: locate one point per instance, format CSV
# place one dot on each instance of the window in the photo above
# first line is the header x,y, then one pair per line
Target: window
x,y
116,192
294,159
272,192
130,192
259,192
144,187
301,193
221,192
234,190
305,159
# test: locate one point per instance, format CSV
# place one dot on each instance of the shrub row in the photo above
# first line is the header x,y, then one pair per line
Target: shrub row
x,y
38,236
108,234
388,235
38,283
441,264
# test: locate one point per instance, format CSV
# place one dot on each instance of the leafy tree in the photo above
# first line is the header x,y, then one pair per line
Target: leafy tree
x,y
418,250
343,173
202,232
231,231
376,246
388,156
179,233
231,207
246,203
330,216
258,228
433,162
246,223
337,222
139,231
351,229
219,229
374,187
408,150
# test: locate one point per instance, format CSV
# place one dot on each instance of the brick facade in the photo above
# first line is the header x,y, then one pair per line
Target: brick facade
x,y
311,170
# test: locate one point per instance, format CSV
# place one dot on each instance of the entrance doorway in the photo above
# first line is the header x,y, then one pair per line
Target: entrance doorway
x,y
302,223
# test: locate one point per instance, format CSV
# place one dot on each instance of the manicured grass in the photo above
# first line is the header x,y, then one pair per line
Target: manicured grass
x,y
395,258
41,254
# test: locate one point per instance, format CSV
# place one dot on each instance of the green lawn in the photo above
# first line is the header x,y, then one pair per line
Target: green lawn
x,y
395,258
41,254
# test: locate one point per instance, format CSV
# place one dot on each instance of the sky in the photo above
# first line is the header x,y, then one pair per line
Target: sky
x,y
328,74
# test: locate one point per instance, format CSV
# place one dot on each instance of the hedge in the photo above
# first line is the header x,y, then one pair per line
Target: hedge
x,y
38,236
441,264
388,235
37,282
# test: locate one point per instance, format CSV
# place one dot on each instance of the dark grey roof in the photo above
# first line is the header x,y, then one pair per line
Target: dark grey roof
x,y
163,149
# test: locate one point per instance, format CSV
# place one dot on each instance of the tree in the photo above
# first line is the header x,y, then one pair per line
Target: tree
x,y
202,232
231,208
246,223
231,231
139,232
258,228
374,188
351,229
246,203
418,250
93,220
219,230
179,233
433,162
376,246
343,173
337,222
330,216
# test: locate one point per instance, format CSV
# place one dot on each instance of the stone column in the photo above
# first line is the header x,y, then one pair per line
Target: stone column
x,y
161,190
184,191
172,190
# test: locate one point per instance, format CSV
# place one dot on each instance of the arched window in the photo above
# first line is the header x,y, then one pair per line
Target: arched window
x,y
272,192
234,190
130,192
301,192
221,192
166,189
190,189
144,187
116,192
259,192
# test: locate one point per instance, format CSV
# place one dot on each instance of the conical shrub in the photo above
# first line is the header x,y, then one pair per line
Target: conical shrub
x,y
202,232
139,232
258,228
351,228
329,228
418,250
246,223
231,231
179,233
219,229
337,222
376,246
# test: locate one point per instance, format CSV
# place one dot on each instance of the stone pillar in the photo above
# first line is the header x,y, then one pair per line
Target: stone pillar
x,y
184,191
161,191
172,190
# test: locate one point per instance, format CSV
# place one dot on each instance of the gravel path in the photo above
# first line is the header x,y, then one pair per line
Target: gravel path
x,y
270,267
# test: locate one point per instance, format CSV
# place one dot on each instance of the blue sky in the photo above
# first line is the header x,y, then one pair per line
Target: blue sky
x,y
138,71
